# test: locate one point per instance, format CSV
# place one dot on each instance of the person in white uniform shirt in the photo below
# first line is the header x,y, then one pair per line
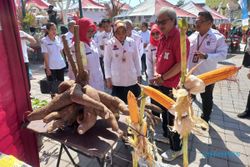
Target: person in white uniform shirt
x,y
121,62
69,37
98,34
155,36
145,35
86,31
207,45
70,34
52,46
105,36
135,36
24,39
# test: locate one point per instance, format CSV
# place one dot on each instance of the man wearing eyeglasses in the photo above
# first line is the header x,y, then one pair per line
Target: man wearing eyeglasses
x,y
168,67
208,46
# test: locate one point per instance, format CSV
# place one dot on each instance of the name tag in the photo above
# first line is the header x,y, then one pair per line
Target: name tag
x,y
88,53
115,47
50,44
153,50
208,43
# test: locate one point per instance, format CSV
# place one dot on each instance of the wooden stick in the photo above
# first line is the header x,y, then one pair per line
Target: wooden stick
x,y
82,77
77,49
69,55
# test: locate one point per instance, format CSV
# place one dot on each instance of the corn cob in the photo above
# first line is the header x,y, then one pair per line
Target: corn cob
x,y
218,74
164,100
133,108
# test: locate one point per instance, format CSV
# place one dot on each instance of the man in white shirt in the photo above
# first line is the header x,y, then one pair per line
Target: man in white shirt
x,y
70,34
145,35
104,39
135,36
106,35
98,34
25,38
207,45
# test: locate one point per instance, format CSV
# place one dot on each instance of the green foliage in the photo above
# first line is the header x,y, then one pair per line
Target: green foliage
x,y
37,103
180,3
28,21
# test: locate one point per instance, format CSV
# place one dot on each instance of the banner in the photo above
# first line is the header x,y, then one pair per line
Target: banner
x,y
244,11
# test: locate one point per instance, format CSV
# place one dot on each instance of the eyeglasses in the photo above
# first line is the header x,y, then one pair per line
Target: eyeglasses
x,y
155,33
162,22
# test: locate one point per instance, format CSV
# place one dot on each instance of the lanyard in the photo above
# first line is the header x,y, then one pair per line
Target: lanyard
x,y
198,42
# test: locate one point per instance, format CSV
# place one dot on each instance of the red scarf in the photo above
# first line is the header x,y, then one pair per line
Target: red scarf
x,y
84,25
154,29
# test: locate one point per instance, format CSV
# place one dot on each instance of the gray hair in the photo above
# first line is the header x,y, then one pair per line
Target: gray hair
x,y
71,23
169,12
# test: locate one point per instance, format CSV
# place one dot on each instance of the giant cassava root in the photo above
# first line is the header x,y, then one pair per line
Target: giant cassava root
x,y
77,102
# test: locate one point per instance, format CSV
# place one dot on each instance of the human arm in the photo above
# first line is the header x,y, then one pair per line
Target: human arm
x,y
28,38
46,64
150,64
46,57
107,65
137,62
220,52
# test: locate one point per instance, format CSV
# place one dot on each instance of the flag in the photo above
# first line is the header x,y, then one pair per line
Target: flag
x,y
244,11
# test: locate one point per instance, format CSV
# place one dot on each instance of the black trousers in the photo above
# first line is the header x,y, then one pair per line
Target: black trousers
x,y
168,120
122,92
102,66
248,103
27,73
207,102
143,62
56,75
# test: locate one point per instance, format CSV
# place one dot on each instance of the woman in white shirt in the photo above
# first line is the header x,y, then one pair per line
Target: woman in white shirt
x,y
121,63
151,50
87,30
51,48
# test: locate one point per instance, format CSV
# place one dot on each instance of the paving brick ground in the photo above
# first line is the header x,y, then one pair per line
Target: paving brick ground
x,y
226,144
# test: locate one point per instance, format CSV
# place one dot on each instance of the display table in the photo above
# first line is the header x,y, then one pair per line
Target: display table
x,y
95,143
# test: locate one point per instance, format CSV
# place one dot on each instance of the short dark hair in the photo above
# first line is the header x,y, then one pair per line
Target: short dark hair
x,y
207,15
63,29
49,24
100,24
144,24
105,21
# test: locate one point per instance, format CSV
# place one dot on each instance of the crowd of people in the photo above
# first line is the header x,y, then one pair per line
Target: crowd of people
x,y
117,56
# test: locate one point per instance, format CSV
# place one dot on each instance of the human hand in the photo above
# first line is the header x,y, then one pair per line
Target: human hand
x,y
151,82
31,49
48,72
109,83
139,79
201,55
158,79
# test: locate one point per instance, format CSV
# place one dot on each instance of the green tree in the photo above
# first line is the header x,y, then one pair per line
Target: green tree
x,y
180,2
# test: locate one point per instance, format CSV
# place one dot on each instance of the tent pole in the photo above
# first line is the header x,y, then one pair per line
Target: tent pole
x,y
80,8
23,3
